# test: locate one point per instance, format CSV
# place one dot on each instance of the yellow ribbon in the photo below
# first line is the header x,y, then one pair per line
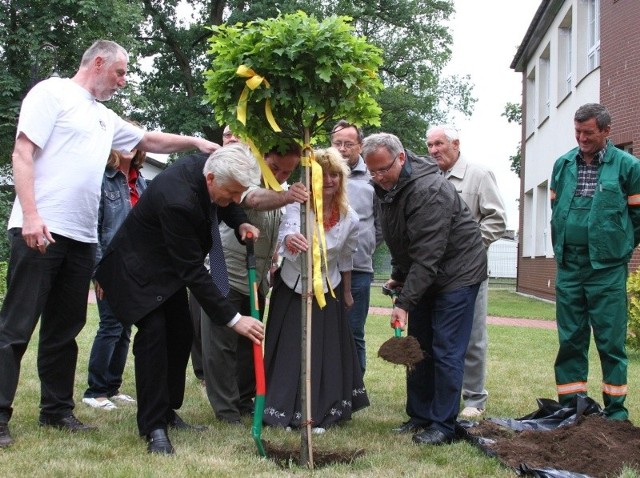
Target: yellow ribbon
x,y
269,179
252,83
319,243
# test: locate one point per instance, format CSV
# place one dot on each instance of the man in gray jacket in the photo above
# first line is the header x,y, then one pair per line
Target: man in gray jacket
x,y
347,138
478,187
438,262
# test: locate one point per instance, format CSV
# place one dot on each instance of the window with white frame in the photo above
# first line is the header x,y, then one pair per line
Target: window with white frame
x,y
565,57
531,114
544,85
593,39
528,243
586,29
542,219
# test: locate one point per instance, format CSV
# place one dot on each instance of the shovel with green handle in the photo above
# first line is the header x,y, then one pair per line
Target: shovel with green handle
x,y
258,362
393,293
398,349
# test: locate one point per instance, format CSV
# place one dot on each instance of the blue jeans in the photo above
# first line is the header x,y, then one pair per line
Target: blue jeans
x,y
361,291
108,354
51,287
442,324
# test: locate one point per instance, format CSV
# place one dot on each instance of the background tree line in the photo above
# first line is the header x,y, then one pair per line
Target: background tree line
x,y
169,57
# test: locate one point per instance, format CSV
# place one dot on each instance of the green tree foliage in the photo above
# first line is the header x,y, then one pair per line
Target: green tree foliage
x,y
38,37
513,113
7,194
170,90
412,34
416,46
633,328
317,72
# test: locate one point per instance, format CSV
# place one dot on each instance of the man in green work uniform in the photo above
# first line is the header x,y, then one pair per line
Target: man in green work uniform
x,y
595,225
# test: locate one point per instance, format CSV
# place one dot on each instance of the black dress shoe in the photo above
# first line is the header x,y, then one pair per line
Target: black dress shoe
x,y
5,436
431,436
158,442
409,427
69,423
179,424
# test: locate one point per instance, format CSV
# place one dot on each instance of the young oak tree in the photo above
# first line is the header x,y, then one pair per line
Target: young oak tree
x,y
413,35
279,79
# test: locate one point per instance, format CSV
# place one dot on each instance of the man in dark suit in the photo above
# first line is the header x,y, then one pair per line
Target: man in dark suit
x,y
156,254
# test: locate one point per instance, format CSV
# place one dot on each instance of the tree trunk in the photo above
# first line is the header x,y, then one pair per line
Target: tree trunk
x,y
306,227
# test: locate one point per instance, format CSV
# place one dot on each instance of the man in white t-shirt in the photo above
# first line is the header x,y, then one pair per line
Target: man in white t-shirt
x,y
63,140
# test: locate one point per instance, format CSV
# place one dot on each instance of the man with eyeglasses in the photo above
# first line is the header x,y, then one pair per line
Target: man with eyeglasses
x,y
228,137
347,139
438,263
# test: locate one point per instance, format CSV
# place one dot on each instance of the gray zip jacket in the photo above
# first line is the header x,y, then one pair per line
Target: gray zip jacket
x,y
434,242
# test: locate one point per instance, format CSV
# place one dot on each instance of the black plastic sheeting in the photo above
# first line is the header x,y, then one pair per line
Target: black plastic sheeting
x,y
549,416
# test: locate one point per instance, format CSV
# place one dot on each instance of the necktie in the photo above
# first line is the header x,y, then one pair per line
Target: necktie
x,y
217,265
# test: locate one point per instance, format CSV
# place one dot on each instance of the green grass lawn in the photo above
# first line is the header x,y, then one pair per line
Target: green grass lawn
x,y
502,303
507,303
520,370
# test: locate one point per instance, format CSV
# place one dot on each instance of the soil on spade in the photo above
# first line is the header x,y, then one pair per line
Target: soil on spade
x,y
402,351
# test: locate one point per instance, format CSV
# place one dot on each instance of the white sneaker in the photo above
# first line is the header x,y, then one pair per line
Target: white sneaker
x,y
318,430
123,398
471,412
105,404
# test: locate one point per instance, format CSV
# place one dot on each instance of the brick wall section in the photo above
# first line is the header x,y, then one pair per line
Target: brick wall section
x,y
620,75
635,260
620,69
620,93
540,274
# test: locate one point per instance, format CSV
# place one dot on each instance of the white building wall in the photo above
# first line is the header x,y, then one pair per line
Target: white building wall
x,y
553,136
154,165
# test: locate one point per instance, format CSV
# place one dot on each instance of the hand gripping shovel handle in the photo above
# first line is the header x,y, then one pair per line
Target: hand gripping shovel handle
x,y
258,362
397,328
393,293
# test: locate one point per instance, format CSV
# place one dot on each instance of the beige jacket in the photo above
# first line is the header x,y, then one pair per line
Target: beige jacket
x,y
478,188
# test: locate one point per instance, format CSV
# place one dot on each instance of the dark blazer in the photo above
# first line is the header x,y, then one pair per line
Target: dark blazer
x,y
161,246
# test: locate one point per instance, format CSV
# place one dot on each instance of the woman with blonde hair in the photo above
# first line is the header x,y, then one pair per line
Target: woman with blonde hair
x,y
337,388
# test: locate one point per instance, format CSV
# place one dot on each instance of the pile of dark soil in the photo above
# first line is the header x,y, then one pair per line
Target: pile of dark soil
x,y
593,446
402,351
286,457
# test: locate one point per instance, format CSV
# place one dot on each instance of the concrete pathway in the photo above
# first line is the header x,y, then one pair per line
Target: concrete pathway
x,y
536,323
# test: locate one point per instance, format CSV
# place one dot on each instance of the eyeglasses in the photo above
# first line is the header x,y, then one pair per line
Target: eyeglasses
x,y
346,144
227,135
382,172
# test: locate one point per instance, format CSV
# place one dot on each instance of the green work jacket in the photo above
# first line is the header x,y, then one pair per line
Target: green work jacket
x,y
614,219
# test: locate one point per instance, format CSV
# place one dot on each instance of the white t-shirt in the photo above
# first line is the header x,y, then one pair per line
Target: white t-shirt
x,y
74,134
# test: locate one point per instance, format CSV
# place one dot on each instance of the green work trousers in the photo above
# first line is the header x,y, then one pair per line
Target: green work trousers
x,y
587,299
